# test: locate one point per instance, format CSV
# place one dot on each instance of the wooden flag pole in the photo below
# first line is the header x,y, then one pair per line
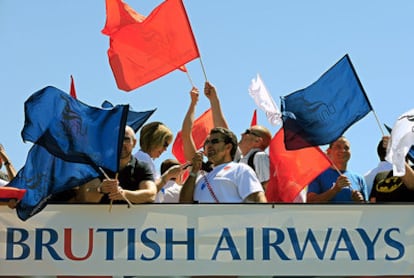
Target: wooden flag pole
x,y
116,177
378,122
189,78
202,67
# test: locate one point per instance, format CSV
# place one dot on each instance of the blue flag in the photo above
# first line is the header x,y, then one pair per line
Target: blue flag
x,y
134,119
322,112
74,131
44,175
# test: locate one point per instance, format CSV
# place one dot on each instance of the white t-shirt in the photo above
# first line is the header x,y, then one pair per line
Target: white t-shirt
x,y
261,162
144,157
231,182
170,193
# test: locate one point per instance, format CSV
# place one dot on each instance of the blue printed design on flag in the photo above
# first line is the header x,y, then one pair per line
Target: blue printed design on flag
x,y
322,112
74,131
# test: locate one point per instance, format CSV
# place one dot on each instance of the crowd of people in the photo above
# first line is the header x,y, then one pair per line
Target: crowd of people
x,y
225,170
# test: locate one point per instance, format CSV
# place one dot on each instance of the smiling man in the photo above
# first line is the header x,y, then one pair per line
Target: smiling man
x,y
337,184
229,181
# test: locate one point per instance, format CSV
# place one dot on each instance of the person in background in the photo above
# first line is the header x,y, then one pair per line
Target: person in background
x,y
11,172
253,143
170,192
390,188
382,166
135,180
229,181
337,184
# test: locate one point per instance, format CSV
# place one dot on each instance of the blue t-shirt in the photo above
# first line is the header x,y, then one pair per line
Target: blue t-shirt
x,y
326,179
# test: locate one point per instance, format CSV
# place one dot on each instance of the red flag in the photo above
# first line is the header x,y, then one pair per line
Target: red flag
x,y
118,15
142,51
254,118
292,170
72,87
201,129
8,193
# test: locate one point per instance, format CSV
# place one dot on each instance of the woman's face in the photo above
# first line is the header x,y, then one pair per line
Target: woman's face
x,y
158,150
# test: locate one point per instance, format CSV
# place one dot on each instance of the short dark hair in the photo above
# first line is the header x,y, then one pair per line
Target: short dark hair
x,y
381,151
229,138
167,164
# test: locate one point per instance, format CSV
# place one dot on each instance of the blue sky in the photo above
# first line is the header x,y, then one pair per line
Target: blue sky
x,y
290,43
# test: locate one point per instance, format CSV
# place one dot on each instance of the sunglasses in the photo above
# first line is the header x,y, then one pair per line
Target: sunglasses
x,y
213,141
127,140
248,131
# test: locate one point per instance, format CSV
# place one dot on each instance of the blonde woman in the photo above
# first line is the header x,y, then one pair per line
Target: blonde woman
x,y
154,139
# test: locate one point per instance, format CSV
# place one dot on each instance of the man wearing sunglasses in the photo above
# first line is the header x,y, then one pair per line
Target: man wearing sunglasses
x,y
252,144
229,181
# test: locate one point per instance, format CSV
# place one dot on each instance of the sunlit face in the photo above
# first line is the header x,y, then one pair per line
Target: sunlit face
x,y
128,143
249,139
158,150
215,148
340,151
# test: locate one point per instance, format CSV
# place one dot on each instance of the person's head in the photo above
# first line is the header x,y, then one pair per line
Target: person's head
x,y
381,150
256,136
339,152
167,164
129,142
155,137
220,146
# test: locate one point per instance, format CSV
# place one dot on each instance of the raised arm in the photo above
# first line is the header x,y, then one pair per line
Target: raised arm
x,y
218,116
187,127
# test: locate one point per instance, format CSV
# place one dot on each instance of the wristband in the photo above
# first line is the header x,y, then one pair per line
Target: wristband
x,y
6,163
192,174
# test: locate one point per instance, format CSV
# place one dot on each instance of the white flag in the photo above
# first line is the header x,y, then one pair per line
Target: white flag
x,y
264,100
402,138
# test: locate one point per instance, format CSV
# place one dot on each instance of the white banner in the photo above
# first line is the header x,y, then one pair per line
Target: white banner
x,y
226,239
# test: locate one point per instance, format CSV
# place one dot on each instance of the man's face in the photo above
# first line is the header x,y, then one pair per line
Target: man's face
x,y
215,148
128,143
249,140
157,151
340,151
